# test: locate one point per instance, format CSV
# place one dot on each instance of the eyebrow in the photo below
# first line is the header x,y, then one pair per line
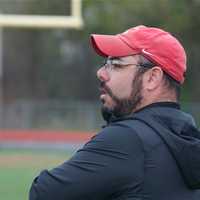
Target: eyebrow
x,y
114,58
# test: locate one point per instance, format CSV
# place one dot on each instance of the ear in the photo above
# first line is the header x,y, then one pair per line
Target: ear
x,y
153,78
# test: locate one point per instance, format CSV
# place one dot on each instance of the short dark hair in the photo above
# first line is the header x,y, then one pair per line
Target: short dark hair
x,y
170,82
173,84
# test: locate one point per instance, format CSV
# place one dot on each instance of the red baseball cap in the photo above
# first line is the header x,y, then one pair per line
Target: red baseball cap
x,y
155,44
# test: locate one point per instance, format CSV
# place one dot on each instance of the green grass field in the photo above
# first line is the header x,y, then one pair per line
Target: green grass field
x,y
19,167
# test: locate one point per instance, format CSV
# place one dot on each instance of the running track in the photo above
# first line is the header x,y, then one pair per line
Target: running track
x,y
44,139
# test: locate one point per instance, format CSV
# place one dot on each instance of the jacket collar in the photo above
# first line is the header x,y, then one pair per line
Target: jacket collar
x,y
174,105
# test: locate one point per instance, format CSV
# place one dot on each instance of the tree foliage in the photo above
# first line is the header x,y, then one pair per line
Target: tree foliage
x,y
66,64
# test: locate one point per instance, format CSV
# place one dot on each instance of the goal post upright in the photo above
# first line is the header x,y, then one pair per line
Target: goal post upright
x,y
45,21
72,21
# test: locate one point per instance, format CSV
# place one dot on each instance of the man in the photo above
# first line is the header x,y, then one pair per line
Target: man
x,y
149,149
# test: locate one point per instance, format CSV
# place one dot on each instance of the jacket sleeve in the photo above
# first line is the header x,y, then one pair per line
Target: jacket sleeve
x,y
109,165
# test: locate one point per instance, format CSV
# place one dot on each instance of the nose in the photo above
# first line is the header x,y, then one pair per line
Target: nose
x,y
103,75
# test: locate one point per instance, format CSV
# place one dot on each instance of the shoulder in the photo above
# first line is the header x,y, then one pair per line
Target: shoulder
x,y
146,134
117,136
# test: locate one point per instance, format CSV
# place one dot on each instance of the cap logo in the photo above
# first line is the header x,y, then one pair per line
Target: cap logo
x,y
146,52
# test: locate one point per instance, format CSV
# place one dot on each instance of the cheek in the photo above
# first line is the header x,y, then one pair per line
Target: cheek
x,y
122,87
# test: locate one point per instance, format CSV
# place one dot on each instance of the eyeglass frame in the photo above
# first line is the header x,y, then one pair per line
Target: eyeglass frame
x,y
110,63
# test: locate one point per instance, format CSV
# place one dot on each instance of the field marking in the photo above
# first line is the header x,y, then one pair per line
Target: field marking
x,y
24,161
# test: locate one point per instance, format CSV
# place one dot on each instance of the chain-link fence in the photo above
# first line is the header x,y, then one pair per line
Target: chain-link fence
x,y
62,115
53,115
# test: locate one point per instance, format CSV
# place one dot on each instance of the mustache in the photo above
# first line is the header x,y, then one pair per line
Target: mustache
x,y
105,89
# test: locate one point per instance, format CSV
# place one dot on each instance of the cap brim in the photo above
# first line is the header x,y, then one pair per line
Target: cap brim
x,y
111,45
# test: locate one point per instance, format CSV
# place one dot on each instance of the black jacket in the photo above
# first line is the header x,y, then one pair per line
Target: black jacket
x,y
153,154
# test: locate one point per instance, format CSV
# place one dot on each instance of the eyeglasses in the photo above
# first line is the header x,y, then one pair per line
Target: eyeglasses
x,y
111,64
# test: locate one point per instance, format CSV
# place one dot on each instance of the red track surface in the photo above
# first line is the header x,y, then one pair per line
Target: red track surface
x,y
44,136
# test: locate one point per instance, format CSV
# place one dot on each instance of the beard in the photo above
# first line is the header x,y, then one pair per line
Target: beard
x,y
123,106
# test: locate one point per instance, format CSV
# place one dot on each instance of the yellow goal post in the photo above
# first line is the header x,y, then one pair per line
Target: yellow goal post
x,y
74,20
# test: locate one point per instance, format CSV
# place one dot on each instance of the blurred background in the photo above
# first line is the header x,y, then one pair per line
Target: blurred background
x,y
48,78
48,89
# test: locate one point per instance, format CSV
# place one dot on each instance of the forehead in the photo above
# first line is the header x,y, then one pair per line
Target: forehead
x,y
132,58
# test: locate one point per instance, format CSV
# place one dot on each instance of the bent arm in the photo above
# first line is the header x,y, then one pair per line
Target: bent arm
x,y
106,166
